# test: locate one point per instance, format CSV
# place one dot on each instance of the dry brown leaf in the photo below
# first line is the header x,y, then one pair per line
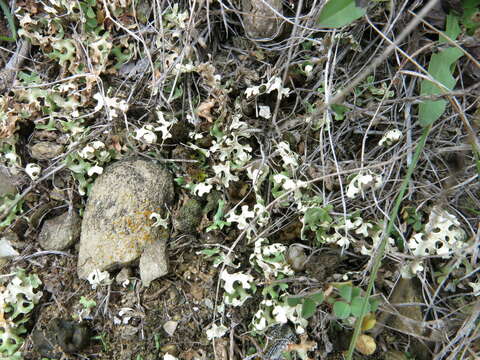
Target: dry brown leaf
x,y
204,110
369,322
192,355
8,124
197,291
207,71
302,348
221,349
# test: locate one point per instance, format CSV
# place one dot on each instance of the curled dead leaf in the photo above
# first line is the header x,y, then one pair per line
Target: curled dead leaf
x,y
368,322
303,348
204,110
366,345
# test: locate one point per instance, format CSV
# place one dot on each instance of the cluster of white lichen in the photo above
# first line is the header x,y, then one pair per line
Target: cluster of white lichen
x,y
443,236
17,300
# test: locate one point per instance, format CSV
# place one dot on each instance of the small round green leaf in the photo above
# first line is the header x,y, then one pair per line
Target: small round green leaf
x,y
294,300
357,306
355,292
341,309
374,303
308,309
346,292
318,297
338,13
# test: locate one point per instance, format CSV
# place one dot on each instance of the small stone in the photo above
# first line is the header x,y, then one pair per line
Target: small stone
x,y
260,21
169,349
46,150
296,257
170,327
6,249
124,275
128,332
7,185
153,262
60,232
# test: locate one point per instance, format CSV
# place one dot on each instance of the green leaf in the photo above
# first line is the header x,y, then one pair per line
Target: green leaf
x,y
49,127
357,306
341,309
355,292
180,180
11,23
87,303
314,217
308,309
374,304
470,10
294,300
338,13
346,292
440,68
339,111
452,28
210,252
318,297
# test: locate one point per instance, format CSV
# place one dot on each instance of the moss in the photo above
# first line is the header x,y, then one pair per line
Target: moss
x,y
188,217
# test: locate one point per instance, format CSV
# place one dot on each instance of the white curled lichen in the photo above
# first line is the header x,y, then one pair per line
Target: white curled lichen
x,y
241,219
159,221
362,182
89,151
223,174
114,105
216,331
289,157
442,236
264,112
390,137
275,83
238,287
33,171
146,134
17,300
99,278
202,189
95,169
283,183
270,258
272,312
229,147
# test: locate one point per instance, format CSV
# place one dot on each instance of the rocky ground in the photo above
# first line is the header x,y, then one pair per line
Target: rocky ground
x,y
239,180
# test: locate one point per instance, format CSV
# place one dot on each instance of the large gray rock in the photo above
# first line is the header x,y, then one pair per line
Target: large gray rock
x,y
117,228
60,232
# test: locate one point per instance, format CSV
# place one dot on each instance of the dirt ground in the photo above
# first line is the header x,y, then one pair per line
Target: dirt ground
x,y
310,154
